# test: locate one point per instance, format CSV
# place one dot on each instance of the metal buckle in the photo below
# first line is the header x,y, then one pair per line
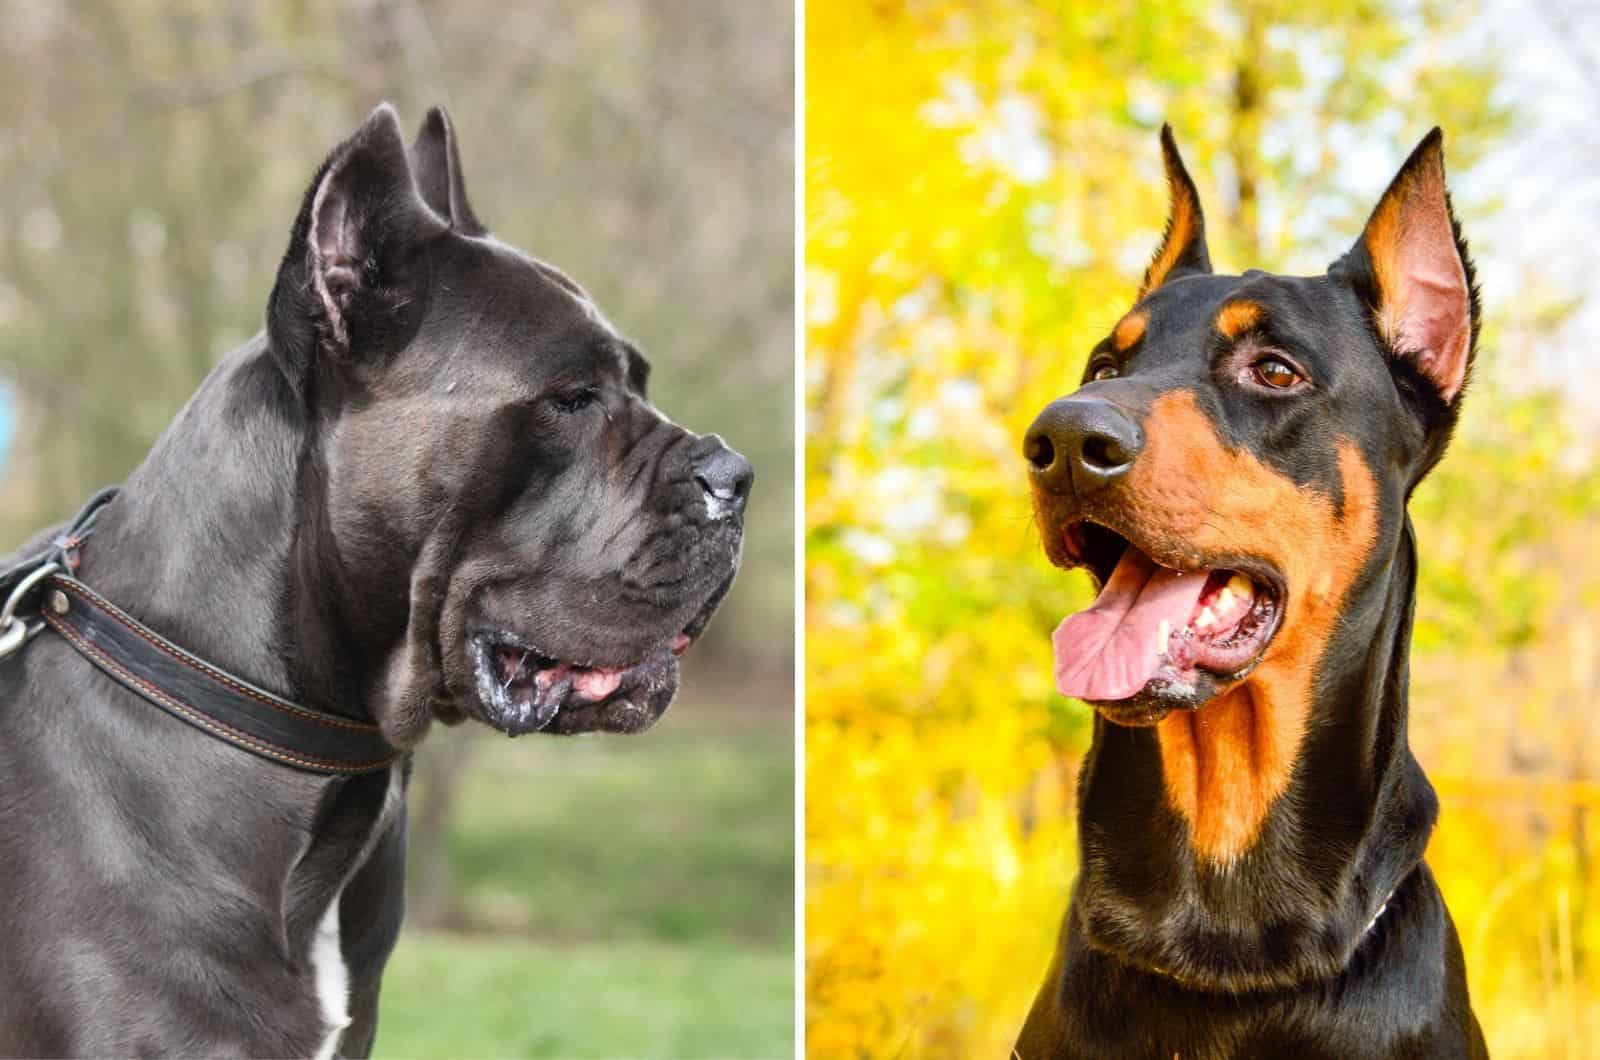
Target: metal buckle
x,y
14,631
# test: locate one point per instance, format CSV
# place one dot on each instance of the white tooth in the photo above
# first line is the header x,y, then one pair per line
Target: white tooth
x,y
1224,601
1242,586
1206,620
1163,632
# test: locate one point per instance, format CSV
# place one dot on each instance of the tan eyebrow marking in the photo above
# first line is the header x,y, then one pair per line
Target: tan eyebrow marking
x,y
1236,318
1129,330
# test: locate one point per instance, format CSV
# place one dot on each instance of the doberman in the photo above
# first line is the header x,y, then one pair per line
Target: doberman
x,y
1233,473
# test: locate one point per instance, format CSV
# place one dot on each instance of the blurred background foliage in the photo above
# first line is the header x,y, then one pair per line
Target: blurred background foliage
x,y
983,190
591,897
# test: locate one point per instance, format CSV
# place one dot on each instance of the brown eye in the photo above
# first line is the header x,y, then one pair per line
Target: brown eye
x,y
1103,371
1275,373
576,400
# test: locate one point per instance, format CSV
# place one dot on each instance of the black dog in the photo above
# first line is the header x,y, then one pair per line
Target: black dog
x,y
432,489
1234,473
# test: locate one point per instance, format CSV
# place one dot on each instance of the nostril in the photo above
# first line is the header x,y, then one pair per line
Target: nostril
x,y
725,478
1103,453
1040,451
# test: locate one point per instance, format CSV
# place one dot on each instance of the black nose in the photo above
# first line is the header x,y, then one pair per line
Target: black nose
x,y
1080,444
725,477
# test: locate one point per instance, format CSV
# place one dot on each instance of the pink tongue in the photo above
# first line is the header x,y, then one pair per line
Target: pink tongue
x,y
596,684
1109,651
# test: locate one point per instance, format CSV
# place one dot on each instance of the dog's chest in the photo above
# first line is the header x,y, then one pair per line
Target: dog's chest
x,y
332,977
329,967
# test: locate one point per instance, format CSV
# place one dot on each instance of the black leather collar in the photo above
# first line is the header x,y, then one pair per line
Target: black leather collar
x,y
185,686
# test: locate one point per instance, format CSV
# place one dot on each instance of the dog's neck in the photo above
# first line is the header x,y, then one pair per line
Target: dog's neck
x,y
1306,889
200,545
229,580
197,544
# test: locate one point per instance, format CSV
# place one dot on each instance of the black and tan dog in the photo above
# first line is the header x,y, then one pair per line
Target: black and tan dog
x,y
1234,472
432,489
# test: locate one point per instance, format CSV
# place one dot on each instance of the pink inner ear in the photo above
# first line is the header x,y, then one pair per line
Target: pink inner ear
x,y
333,243
1429,311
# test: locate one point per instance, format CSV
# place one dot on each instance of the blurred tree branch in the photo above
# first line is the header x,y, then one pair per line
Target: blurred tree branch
x,y
251,70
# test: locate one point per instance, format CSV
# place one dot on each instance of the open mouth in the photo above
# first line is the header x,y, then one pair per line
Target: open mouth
x,y
525,690
593,682
1159,635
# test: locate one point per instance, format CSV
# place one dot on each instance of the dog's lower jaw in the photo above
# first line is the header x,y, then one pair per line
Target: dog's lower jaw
x,y
519,697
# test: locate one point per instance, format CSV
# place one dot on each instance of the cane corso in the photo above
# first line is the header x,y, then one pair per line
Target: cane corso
x,y
432,489
1233,472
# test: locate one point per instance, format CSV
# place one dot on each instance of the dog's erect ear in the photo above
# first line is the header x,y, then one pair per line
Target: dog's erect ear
x,y
436,160
1183,247
343,284
1411,266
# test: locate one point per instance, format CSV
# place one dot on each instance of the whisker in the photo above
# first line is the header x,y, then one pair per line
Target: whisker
x,y
518,671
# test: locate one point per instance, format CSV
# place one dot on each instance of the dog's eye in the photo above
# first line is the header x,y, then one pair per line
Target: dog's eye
x,y
576,400
1276,373
1103,370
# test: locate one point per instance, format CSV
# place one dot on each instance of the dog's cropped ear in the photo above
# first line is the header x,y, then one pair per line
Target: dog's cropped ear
x,y
1183,247
436,160
344,284
1411,267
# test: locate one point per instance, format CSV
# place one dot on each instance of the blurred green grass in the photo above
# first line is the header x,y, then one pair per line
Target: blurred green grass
x,y
626,897
686,832
453,997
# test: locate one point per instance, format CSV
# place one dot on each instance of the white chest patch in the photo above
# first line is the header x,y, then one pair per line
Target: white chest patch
x,y
333,980
327,950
